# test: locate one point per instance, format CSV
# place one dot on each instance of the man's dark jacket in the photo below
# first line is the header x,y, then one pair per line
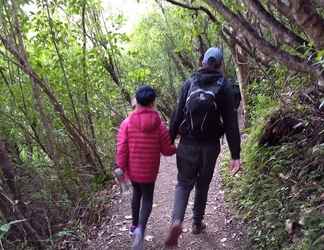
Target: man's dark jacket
x,y
227,112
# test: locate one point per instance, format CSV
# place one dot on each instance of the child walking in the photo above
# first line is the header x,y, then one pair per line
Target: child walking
x,y
141,138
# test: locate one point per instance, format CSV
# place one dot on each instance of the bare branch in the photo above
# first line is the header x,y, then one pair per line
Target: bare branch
x,y
238,42
198,8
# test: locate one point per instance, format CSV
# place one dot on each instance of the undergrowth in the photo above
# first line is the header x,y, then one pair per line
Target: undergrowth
x,y
280,192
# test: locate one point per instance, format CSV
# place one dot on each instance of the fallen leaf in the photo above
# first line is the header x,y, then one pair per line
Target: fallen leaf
x,y
321,106
289,226
128,217
229,221
123,229
302,221
298,125
223,240
284,177
149,238
322,197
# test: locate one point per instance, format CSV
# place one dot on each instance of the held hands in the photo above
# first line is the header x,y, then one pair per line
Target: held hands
x,y
235,166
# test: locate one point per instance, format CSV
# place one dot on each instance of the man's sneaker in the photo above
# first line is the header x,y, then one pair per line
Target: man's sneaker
x,y
131,230
198,228
138,241
173,236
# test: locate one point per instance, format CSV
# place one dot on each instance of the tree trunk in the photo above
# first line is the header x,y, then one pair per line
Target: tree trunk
x,y
12,206
46,121
178,65
242,71
51,143
242,68
88,116
110,67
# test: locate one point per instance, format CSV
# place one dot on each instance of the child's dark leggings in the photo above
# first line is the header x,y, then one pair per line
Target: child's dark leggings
x,y
143,192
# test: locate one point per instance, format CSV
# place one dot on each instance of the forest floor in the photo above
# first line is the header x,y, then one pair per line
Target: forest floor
x,y
224,230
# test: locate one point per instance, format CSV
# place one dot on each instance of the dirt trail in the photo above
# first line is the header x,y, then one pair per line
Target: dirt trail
x,y
224,231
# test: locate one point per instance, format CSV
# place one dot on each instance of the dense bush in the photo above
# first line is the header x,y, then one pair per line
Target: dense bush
x,y
280,191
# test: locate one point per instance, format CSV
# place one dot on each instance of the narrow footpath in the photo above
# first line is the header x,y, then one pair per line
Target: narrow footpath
x,y
224,230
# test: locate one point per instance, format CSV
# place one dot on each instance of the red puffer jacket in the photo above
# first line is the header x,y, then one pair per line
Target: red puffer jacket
x,y
141,138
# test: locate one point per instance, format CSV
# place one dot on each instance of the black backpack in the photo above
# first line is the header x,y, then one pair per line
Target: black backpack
x,y
235,88
201,110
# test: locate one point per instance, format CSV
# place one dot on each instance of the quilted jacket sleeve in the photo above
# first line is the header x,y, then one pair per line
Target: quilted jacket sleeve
x,y
167,147
122,153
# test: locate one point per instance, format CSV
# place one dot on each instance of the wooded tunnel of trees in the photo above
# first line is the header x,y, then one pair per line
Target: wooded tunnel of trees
x,y
68,72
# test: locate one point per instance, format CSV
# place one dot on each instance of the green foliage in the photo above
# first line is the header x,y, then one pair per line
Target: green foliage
x,y
157,45
78,54
320,57
99,180
279,192
78,59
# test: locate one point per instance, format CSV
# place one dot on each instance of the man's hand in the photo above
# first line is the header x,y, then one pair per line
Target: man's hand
x,y
235,166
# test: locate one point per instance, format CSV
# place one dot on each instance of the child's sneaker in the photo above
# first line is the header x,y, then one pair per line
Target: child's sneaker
x,y
131,230
138,242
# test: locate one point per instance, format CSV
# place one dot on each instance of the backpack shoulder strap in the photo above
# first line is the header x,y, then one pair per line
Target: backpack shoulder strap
x,y
220,83
192,80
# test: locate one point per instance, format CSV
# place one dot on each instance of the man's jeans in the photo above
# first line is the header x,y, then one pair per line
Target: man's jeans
x,y
196,164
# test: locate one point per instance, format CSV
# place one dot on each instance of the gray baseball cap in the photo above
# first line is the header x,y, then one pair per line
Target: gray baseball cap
x,y
213,52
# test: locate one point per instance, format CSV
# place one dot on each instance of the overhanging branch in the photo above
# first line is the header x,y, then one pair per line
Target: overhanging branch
x,y
305,15
293,62
275,26
196,8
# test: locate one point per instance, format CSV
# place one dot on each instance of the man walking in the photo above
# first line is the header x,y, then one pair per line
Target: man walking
x,y
205,111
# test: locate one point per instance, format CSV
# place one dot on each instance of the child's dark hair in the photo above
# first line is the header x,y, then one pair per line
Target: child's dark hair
x,y
145,95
